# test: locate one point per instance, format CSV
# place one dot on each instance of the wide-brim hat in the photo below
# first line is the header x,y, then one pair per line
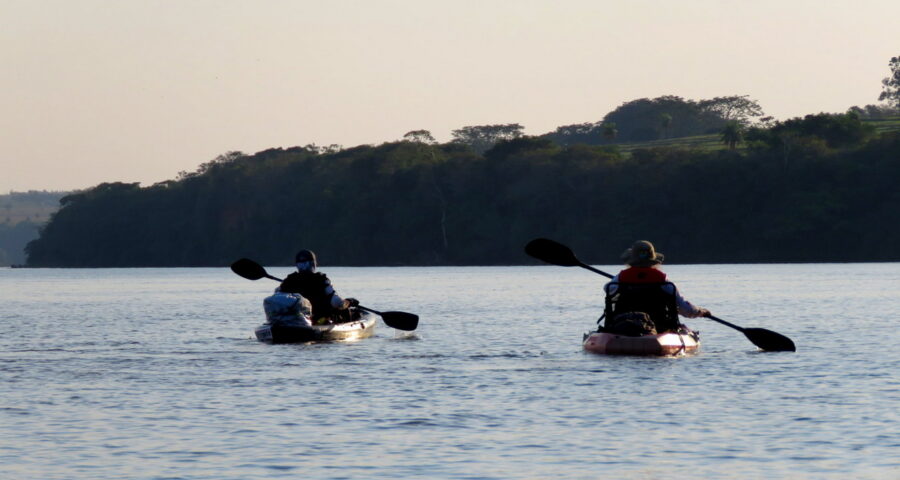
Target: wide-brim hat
x,y
642,254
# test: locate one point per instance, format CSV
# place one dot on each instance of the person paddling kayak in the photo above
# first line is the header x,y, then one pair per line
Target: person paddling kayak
x,y
640,299
327,305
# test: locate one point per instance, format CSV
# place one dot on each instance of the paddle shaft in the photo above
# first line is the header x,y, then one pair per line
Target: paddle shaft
x,y
601,272
727,324
365,309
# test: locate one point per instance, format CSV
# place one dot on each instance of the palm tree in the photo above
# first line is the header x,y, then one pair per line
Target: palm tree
x,y
665,121
610,132
732,134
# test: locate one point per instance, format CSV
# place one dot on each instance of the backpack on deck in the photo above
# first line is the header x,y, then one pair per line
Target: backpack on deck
x,y
632,324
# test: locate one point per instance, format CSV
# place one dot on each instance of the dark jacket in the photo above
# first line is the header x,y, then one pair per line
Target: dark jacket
x,y
315,287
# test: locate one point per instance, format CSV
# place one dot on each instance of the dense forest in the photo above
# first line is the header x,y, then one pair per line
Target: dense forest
x,y
811,189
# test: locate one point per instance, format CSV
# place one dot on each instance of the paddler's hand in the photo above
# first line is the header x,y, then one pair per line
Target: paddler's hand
x,y
705,313
352,302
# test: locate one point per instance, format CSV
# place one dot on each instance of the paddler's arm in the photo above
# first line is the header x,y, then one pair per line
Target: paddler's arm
x,y
688,309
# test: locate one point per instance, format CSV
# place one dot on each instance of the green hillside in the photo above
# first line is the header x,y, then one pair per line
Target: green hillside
x,y
713,142
885,124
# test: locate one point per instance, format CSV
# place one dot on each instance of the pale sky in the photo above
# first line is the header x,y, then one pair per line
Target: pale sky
x,y
98,91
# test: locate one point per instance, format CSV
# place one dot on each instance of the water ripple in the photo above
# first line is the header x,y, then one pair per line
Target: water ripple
x,y
99,387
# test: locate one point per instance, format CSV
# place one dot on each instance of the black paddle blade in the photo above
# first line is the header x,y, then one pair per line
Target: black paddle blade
x,y
552,252
248,269
400,320
769,341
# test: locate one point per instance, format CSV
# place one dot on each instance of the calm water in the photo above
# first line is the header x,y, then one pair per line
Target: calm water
x,y
152,373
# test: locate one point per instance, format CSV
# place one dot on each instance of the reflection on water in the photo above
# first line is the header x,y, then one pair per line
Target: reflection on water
x,y
154,373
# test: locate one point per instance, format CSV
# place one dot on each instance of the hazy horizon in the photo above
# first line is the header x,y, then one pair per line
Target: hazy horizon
x,y
99,90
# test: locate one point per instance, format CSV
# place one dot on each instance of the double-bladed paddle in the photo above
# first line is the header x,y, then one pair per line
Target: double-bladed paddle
x,y
400,320
556,253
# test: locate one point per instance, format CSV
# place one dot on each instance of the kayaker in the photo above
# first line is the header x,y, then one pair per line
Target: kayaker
x,y
327,305
637,289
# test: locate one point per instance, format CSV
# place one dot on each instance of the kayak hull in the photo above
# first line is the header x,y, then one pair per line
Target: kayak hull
x,y
683,342
357,329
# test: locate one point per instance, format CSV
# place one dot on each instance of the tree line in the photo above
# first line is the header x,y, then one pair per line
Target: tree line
x,y
811,189
663,117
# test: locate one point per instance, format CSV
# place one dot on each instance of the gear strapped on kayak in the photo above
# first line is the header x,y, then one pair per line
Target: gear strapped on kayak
x,y
651,304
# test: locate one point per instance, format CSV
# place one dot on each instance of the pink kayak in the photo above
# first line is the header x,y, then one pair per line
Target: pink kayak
x,y
669,343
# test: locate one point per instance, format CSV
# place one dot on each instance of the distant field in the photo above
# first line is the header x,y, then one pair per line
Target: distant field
x,y
713,141
700,142
886,124
32,214
35,207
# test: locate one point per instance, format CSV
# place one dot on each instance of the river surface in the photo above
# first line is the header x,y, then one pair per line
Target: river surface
x,y
155,374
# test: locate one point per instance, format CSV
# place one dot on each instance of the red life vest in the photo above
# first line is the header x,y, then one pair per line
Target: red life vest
x,y
642,275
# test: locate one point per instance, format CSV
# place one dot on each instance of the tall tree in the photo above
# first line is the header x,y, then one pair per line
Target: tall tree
x,y
732,134
483,137
610,132
419,136
665,123
586,133
875,111
890,86
639,120
739,108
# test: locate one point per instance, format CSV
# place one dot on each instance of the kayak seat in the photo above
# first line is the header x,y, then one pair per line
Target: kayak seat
x,y
656,300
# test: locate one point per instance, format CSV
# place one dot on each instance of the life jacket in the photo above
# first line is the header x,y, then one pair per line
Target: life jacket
x,y
641,289
642,275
